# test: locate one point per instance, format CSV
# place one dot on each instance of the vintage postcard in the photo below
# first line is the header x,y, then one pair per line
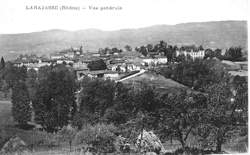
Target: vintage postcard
x,y
123,77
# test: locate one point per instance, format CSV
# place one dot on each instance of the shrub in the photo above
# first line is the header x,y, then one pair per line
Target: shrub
x,y
100,137
189,151
67,134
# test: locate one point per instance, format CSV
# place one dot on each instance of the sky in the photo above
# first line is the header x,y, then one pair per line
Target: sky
x,y
15,18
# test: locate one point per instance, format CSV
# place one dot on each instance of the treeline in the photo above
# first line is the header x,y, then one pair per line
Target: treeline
x,y
165,49
108,50
195,74
231,54
49,93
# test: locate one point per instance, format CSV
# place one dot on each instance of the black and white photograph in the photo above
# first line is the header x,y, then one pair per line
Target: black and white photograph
x,y
123,77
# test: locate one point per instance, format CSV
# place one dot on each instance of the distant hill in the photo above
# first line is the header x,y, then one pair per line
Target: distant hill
x,y
222,34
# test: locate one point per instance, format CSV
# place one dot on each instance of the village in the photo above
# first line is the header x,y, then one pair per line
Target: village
x,y
118,64
62,94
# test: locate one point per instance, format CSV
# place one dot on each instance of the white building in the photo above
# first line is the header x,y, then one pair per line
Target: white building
x,y
69,55
154,61
111,75
162,60
66,61
80,65
56,56
194,55
133,67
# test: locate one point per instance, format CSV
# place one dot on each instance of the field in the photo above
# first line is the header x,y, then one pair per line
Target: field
x,y
162,84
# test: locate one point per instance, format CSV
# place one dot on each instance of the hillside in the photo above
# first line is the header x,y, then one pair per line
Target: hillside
x,y
159,82
221,34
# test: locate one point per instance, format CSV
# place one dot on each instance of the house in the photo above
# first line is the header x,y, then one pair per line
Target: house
x,y
80,65
69,55
56,56
200,54
132,67
125,67
32,64
111,75
161,60
117,61
40,63
97,74
96,54
148,61
61,61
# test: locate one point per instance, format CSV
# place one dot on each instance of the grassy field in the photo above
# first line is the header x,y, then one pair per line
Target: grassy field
x,y
162,84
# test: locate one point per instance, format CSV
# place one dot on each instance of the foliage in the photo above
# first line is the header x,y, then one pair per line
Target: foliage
x,y
14,74
15,79
224,115
97,65
4,90
96,97
2,64
31,83
67,134
128,48
109,51
54,103
169,51
180,114
21,109
122,108
209,53
190,151
100,136
195,74
233,54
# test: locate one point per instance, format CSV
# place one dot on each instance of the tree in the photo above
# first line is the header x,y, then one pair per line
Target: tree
x,y
21,109
222,114
2,64
14,74
115,50
128,48
54,103
122,108
196,74
217,53
170,53
15,79
97,65
200,48
96,96
67,134
180,58
31,83
150,47
101,51
142,50
180,115
100,137
80,50
233,54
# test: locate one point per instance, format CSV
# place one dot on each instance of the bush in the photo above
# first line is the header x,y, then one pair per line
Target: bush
x,y
190,151
67,134
100,137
